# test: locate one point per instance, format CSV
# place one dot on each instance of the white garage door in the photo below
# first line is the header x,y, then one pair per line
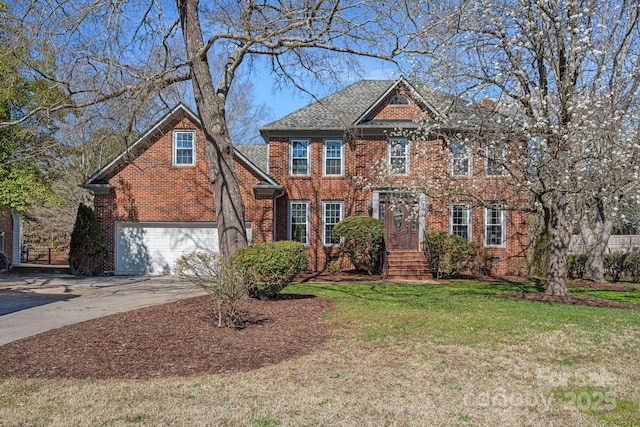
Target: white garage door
x,y
152,248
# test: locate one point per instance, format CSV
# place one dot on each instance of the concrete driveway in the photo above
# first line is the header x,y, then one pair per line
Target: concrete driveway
x,y
31,304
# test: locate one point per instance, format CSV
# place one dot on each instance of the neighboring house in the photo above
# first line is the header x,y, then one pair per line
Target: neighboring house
x,y
10,234
155,202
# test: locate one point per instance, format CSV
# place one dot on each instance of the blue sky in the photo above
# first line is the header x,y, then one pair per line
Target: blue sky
x,y
284,101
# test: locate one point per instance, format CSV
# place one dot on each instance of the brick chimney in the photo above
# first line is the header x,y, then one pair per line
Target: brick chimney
x,y
487,102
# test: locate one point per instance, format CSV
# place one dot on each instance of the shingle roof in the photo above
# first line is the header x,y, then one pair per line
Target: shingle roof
x,y
346,107
255,153
335,111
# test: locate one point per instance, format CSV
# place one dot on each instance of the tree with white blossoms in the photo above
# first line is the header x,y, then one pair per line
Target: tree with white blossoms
x,y
565,74
107,49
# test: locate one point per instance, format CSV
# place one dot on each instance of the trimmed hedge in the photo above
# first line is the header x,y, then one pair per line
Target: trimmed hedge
x,y
576,266
362,239
632,267
273,263
615,266
449,254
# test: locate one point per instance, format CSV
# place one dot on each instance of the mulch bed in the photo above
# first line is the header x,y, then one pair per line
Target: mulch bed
x,y
175,339
573,299
577,299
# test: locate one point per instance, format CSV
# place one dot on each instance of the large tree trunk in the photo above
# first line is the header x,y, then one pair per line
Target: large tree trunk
x,y
557,245
211,109
595,235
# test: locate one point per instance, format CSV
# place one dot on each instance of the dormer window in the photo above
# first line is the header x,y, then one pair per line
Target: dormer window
x,y
184,147
399,100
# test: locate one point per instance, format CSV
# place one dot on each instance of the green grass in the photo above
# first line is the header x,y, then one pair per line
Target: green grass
x,y
632,296
465,312
401,354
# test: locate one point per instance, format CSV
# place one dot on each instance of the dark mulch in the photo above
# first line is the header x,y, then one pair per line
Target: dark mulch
x,y
176,339
573,299
348,276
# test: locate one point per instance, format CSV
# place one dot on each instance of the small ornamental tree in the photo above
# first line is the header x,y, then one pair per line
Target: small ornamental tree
x,y
274,264
88,246
224,281
361,241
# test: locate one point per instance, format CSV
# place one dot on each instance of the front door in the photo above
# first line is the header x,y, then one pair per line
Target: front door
x,y
400,226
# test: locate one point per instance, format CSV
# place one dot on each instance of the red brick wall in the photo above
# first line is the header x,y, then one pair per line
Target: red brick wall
x,y
360,155
386,111
150,188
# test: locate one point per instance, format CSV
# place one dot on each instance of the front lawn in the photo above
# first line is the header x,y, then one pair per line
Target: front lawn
x,y
400,354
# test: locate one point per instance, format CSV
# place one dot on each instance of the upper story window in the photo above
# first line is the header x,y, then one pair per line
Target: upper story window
x,y
399,100
299,221
495,225
461,220
460,159
184,147
496,158
300,160
331,215
399,156
333,153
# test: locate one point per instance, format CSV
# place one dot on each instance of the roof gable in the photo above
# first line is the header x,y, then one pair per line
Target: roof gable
x,y
354,105
255,159
416,108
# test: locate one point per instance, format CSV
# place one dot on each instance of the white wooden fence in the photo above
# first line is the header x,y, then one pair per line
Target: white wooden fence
x,y
617,244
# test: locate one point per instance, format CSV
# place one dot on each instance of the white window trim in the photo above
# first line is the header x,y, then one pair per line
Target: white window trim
x,y
324,157
291,142
469,156
407,156
324,223
502,161
469,224
308,225
503,217
174,147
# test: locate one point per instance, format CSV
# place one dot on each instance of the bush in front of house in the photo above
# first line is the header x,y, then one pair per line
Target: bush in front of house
x,y
88,246
274,264
449,255
361,241
224,281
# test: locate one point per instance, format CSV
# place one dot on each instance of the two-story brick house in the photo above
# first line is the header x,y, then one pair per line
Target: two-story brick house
x,y
329,155
319,165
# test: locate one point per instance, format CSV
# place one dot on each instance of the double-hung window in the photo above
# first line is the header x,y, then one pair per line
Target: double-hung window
x,y
495,225
333,153
184,147
460,159
299,221
461,220
300,163
331,214
399,156
496,157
